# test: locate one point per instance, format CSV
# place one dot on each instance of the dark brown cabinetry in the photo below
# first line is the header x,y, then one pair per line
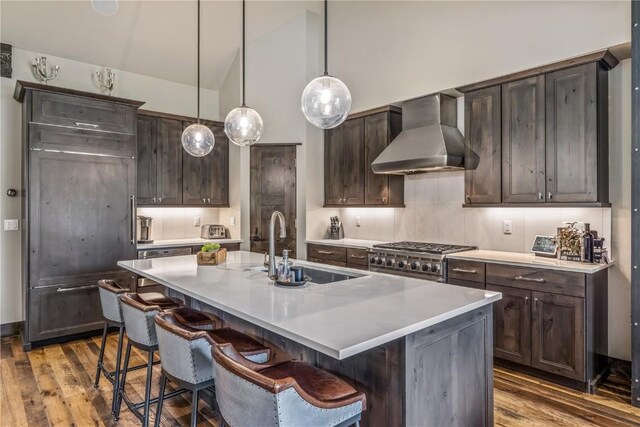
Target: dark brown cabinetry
x,y
79,178
483,146
349,151
168,176
206,179
339,256
553,138
550,323
523,167
576,132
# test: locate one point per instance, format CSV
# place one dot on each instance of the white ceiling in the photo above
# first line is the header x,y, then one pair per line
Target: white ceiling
x,y
149,37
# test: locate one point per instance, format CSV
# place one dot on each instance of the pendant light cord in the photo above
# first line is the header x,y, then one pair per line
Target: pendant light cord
x,y
243,54
198,96
326,38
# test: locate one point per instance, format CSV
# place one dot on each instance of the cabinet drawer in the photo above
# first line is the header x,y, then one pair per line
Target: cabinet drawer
x,y
466,270
58,311
328,253
357,257
466,283
535,279
82,113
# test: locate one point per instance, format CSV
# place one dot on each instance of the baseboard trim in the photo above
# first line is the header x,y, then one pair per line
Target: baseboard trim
x,y
10,329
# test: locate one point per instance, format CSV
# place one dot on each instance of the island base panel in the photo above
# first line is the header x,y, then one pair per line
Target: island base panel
x,y
441,375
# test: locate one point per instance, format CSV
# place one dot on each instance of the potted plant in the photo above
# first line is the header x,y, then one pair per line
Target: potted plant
x,y
211,254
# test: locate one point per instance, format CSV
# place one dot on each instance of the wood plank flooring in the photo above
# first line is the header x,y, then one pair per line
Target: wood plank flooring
x,y
53,386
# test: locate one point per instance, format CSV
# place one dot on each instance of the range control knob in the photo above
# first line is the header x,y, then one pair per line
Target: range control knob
x,y
390,261
415,265
379,260
373,259
402,263
426,267
435,268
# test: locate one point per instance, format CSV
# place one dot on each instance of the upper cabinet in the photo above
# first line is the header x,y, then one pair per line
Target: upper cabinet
x,y
349,151
548,127
167,176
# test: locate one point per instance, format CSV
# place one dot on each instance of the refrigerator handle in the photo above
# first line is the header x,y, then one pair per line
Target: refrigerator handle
x,y
133,219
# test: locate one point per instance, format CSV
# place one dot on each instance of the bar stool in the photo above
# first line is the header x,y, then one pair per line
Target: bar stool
x,y
110,293
284,394
138,315
187,358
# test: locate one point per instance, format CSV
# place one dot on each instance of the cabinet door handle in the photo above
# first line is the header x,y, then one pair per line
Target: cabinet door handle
x,y
357,256
77,288
529,279
535,301
320,251
550,195
91,125
384,200
132,200
154,200
540,197
462,270
159,199
467,198
204,200
526,300
208,200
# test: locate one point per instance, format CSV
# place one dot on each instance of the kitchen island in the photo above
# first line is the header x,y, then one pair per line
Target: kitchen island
x,y
421,351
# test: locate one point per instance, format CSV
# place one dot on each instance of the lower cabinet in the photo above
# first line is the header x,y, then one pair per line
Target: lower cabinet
x,y
338,256
558,335
512,324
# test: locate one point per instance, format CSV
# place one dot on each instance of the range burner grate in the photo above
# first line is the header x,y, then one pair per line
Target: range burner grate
x,y
434,248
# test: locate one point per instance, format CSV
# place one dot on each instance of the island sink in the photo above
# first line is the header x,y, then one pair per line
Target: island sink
x,y
326,276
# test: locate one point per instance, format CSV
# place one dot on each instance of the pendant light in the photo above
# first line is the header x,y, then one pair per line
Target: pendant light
x,y
243,124
326,101
197,139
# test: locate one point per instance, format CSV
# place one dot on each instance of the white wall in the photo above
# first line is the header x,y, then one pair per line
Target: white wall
x,y
178,223
160,95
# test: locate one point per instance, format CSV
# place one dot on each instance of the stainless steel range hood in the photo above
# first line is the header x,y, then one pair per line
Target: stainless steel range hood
x,y
429,141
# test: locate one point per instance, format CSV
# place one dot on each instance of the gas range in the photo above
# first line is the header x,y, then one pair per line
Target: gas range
x,y
413,259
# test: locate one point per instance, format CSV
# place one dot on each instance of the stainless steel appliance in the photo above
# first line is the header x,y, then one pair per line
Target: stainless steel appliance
x,y
413,259
143,282
213,231
145,229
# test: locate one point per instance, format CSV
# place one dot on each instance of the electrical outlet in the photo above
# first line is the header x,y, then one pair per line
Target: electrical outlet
x,y
357,221
196,221
11,225
232,221
507,227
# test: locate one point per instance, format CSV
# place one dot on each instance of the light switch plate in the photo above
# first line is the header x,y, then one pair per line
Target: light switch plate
x,y
507,226
196,221
11,225
357,221
232,221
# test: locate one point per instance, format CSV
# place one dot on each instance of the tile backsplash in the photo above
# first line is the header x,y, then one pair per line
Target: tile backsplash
x,y
434,213
177,223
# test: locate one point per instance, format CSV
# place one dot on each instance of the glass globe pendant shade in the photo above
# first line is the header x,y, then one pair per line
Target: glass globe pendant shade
x,y
198,140
326,102
243,126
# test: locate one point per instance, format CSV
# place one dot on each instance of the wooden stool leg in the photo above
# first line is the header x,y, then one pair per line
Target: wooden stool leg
x,y
101,356
163,384
194,409
123,382
116,386
147,390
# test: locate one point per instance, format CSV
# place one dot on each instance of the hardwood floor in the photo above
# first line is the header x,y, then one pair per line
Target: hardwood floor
x,y
54,386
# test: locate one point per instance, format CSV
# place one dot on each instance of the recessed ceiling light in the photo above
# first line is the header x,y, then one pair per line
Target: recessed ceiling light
x,y
105,7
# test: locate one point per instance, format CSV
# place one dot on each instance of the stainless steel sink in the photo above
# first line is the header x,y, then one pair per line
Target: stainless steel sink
x,y
326,276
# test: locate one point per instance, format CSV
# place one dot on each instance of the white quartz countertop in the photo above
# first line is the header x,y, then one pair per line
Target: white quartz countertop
x,y
528,260
338,319
348,243
182,242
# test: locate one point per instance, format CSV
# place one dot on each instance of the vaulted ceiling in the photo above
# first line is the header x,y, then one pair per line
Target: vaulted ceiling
x,y
154,38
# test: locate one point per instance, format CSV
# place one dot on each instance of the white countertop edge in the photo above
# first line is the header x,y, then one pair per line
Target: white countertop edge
x,y
539,262
174,243
347,242
490,297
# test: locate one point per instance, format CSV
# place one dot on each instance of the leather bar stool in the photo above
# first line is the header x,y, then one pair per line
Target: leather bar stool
x,y
282,394
110,293
138,314
187,359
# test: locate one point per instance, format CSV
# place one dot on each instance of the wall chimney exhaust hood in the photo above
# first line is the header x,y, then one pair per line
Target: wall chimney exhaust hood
x,y
430,140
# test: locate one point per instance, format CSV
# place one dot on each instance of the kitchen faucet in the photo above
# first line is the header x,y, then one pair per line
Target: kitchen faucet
x,y
272,244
